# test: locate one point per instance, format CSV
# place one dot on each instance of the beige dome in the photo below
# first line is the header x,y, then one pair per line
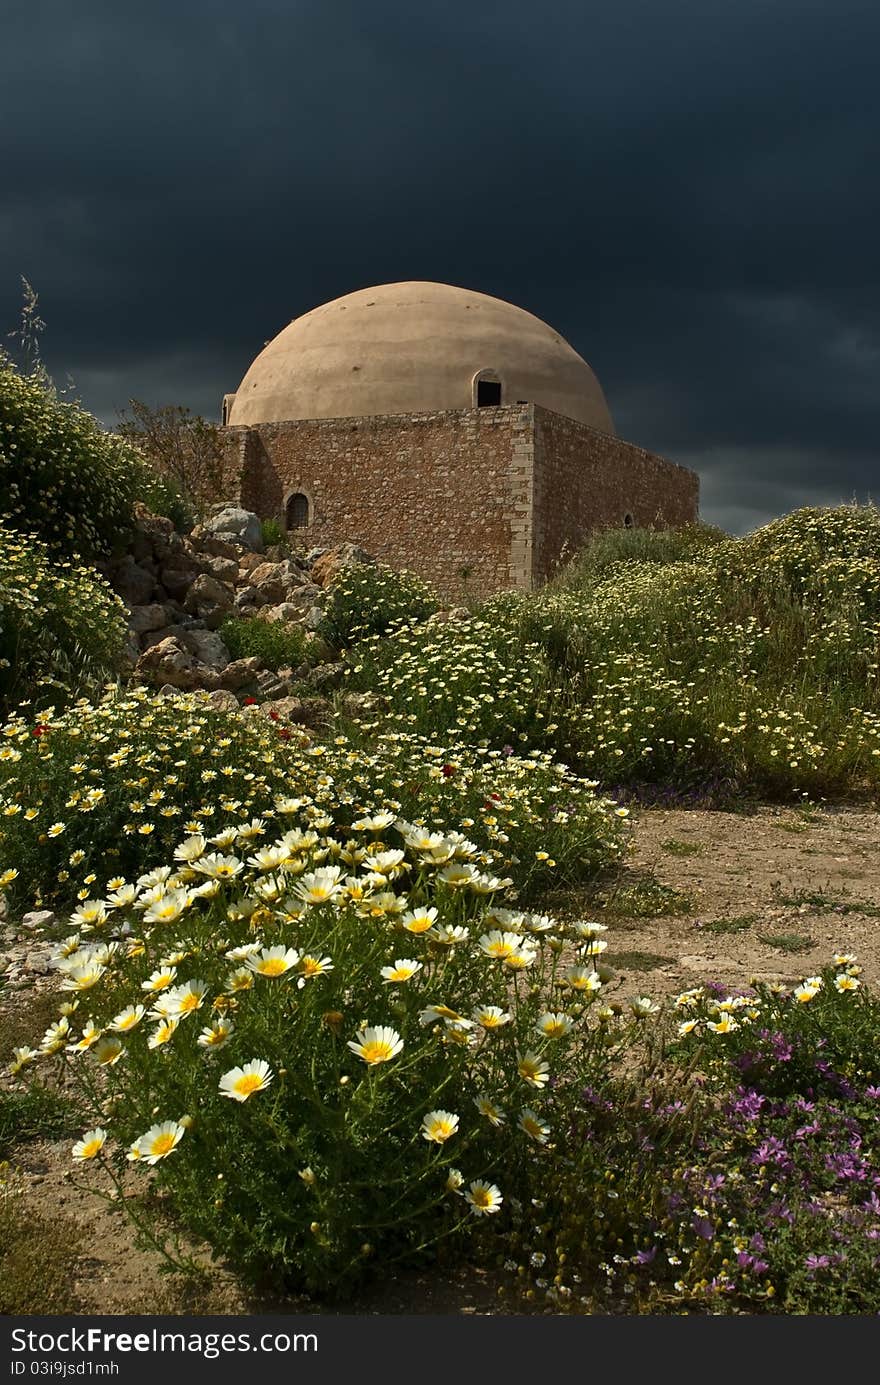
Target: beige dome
x,y
412,348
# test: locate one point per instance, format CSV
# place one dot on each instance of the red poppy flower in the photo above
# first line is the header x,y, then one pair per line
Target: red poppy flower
x,y
284,733
250,702
448,770
40,729
273,715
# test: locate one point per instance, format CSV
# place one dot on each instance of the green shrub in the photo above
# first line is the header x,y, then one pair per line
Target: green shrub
x,y
164,496
272,532
474,677
386,1025
733,1170
63,478
105,791
608,549
280,644
679,660
62,630
370,599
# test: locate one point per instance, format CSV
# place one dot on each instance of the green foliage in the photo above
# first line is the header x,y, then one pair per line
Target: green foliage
x,y
475,677
611,548
184,459
280,644
63,478
109,788
62,629
163,496
35,1114
369,599
399,1018
273,533
733,1170
679,660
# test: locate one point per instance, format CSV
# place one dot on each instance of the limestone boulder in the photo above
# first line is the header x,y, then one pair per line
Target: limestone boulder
x,y
237,526
328,566
241,673
275,580
222,700
177,580
248,561
224,569
207,647
144,619
249,598
133,583
205,542
168,663
209,599
285,613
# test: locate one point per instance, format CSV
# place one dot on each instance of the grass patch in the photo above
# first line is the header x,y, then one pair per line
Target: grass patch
x,y
786,942
39,1257
36,1114
675,847
644,897
740,923
637,961
827,903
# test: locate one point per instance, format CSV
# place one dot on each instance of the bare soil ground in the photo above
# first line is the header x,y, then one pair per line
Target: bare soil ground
x,y
705,896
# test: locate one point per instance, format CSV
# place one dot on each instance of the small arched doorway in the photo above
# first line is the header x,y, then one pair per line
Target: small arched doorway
x,y
296,511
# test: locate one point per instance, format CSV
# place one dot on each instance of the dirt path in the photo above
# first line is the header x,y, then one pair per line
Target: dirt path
x,y
773,894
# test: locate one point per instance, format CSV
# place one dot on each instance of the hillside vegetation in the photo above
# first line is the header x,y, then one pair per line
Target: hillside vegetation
x,y
341,993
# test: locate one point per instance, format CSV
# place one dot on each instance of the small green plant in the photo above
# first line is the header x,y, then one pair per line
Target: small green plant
x,y
786,942
675,847
35,1114
739,923
637,896
280,644
272,532
825,902
637,961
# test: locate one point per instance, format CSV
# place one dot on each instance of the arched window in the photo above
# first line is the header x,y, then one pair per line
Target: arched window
x,y
628,521
487,389
297,511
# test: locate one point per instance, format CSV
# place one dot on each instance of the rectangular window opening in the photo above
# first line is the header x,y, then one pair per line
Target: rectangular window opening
x,y
488,393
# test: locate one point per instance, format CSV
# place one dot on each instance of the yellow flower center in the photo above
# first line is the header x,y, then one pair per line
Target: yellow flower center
x,y
275,966
376,1052
91,1149
162,1144
251,1082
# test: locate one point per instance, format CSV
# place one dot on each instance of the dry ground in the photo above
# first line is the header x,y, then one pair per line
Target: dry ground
x,y
771,894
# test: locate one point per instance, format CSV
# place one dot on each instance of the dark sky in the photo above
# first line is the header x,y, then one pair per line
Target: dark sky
x,y
688,190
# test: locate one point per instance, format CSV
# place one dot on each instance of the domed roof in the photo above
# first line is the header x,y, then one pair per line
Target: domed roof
x,y
410,348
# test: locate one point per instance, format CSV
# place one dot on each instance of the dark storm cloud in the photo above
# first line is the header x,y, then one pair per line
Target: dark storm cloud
x,y
686,191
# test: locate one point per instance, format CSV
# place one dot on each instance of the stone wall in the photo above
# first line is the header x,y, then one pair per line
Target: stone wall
x,y
586,480
474,500
445,494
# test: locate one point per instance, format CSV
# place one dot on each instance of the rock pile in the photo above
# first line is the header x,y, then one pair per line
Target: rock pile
x,y
180,589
